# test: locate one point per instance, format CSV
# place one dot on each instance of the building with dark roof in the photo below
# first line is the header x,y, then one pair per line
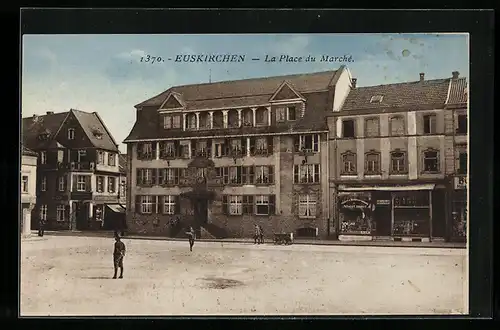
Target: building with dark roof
x,y
28,189
225,156
77,172
390,164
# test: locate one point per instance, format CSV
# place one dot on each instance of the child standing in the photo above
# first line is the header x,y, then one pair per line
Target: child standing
x,y
191,235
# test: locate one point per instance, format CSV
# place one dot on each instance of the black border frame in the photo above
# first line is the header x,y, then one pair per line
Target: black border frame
x,y
480,25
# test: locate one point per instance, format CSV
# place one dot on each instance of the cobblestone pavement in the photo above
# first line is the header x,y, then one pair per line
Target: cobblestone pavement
x,y
65,275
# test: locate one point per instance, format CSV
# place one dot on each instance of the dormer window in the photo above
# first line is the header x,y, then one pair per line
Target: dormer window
x,y
376,99
71,133
291,113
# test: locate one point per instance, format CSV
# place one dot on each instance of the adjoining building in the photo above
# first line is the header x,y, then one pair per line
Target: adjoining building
x,y
28,189
228,155
388,171
77,172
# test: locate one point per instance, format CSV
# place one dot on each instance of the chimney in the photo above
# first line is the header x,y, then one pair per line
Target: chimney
x,y
422,76
50,112
34,116
353,82
455,74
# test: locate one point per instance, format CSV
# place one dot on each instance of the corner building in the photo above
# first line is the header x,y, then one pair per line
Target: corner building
x,y
228,155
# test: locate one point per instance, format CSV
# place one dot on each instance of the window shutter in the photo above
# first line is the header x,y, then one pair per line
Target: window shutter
x,y
154,176
244,174
251,204
252,145
155,204
271,174
296,143
296,173
88,186
251,174
317,138
244,145
65,179
224,204
140,148
272,206
161,204
209,148
193,147
270,146
162,149
316,172
153,149
75,179
137,204
177,205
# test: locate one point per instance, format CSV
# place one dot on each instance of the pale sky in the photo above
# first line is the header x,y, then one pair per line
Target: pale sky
x,y
103,73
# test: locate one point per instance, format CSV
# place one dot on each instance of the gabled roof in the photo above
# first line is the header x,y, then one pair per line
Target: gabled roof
x,y
28,152
230,93
33,126
288,92
174,98
458,91
122,163
408,95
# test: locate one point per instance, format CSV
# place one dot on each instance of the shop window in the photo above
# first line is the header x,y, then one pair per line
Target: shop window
x,y
411,213
355,214
431,161
398,162
348,163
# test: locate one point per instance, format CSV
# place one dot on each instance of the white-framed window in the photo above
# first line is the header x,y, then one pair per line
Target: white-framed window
x,y
280,114
309,173
431,161
307,206
43,212
144,176
262,205
71,133
169,204
430,124
309,143
81,183
43,184
111,159
43,157
376,99
169,149
235,175
24,184
348,163
147,204
99,183
100,157
123,189
291,113
61,183
372,162
61,212
82,153
264,174
191,121
236,147
398,162
235,205
111,184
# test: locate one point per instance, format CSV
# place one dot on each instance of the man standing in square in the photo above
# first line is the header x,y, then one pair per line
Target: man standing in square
x,y
118,254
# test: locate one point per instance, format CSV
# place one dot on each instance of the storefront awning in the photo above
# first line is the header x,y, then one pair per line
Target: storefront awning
x,y
116,208
413,187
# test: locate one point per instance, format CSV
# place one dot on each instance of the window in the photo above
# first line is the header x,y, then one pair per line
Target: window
x,y
24,184
462,124
262,205
261,145
217,119
204,118
235,175
306,173
43,212
429,124
169,204
43,184
261,116
111,184
147,204
169,176
232,118
168,150
171,122
247,204
264,174
398,162
82,153
372,127
235,205
100,183
431,161
81,183
201,173
291,113
307,143
191,121
372,163
397,125
43,157
247,174
236,148
145,176
111,159
462,162
122,189
348,130
307,206
202,149
61,212
71,134
280,114
349,163
100,157
145,150
61,183
376,99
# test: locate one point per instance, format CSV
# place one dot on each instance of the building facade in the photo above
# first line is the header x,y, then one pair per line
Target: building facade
x,y
226,156
77,172
28,189
389,173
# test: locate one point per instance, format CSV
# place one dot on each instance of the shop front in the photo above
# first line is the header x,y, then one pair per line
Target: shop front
x,y
388,212
459,209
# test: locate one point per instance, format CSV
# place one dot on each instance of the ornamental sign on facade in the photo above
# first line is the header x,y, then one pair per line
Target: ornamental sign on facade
x,y
460,182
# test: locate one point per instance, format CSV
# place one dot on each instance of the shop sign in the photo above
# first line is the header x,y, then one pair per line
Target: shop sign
x,y
105,198
460,182
383,202
355,204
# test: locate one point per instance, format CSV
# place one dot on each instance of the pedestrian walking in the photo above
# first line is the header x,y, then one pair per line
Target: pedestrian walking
x,y
118,255
41,227
192,236
256,236
261,234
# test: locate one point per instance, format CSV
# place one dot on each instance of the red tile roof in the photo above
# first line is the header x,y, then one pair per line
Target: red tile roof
x,y
408,95
458,91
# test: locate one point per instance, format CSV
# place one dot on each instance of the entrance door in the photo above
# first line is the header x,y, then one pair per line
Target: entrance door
x,y
201,211
382,218
81,215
